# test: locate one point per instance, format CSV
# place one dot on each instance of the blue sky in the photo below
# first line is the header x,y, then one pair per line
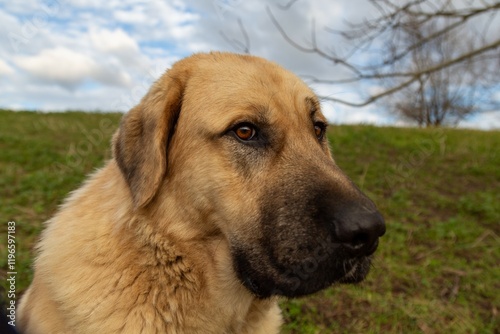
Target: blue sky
x,y
103,55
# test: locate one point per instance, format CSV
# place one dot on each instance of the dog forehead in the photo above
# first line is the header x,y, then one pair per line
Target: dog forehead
x,y
232,87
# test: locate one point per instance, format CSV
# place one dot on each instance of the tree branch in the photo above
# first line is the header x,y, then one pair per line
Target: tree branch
x,y
238,45
313,49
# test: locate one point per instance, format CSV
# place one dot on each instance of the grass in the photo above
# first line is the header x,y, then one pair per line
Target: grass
x,y
437,268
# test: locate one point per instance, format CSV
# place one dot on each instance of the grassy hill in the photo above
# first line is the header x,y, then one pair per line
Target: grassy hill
x,y
437,269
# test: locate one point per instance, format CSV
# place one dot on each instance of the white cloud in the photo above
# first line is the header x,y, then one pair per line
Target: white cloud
x,y
339,114
113,41
485,120
116,43
137,16
374,90
173,14
69,68
496,96
59,65
5,69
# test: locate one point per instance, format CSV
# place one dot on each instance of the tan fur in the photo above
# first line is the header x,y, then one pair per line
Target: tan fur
x,y
144,245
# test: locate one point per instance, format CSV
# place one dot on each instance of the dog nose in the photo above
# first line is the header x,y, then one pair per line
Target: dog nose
x,y
358,230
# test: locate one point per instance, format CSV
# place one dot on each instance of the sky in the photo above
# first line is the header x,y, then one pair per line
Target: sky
x,y
94,55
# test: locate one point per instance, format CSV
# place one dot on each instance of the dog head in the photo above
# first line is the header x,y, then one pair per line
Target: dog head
x,y
240,144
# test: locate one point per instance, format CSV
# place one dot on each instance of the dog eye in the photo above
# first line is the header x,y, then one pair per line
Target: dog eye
x,y
245,132
319,130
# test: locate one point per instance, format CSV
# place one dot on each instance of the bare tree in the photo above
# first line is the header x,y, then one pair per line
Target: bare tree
x,y
436,56
444,96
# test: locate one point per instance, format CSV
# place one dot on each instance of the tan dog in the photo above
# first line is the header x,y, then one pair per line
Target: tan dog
x,y
221,195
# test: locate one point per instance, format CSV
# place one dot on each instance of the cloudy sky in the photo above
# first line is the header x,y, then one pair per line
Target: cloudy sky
x,y
103,55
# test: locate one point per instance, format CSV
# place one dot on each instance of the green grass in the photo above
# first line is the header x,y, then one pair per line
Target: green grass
x,y
437,268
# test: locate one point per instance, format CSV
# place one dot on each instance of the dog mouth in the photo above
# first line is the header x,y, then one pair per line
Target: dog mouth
x,y
358,271
266,279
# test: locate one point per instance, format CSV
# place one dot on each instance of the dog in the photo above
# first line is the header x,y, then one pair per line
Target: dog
x,y
221,196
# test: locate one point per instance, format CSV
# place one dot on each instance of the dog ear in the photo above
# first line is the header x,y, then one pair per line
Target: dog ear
x,y
140,145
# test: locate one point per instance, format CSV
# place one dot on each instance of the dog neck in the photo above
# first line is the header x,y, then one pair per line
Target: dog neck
x,y
194,262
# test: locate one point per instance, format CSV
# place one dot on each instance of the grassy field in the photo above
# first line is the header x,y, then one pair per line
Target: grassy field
x,y
437,269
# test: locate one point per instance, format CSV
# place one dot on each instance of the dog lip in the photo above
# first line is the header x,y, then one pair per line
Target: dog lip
x,y
352,271
251,285
357,272
372,248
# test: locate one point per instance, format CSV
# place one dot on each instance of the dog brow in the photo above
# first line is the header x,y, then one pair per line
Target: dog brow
x,y
254,113
313,104
260,112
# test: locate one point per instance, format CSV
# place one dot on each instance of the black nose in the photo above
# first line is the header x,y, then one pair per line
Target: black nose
x,y
358,229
